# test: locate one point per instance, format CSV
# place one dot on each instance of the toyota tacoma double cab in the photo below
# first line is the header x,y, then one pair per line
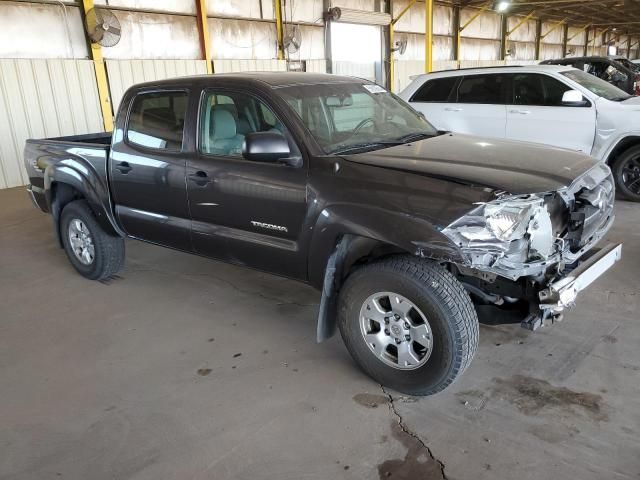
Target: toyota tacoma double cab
x,y
410,234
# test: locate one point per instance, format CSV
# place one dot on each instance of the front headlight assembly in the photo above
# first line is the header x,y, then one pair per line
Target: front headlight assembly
x,y
510,231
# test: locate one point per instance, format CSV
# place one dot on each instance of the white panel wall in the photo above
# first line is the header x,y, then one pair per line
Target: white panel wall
x,y
487,25
234,8
353,69
312,46
152,35
317,66
413,19
442,48
242,39
124,73
249,65
29,30
177,6
43,98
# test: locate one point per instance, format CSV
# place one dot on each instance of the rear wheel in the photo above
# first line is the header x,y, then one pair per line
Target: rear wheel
x,y
626,171
408,323
94,253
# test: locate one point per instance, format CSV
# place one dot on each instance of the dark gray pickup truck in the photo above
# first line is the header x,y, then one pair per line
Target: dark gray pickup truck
x,y
410,234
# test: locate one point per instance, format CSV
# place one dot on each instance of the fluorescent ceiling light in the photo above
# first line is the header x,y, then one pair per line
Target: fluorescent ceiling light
x,y
501,6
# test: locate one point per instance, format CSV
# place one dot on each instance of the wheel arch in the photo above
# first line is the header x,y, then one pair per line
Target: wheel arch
x,y
64,183
622,146
346,238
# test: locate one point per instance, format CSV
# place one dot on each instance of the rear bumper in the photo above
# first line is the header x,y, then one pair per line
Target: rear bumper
x,y
562,293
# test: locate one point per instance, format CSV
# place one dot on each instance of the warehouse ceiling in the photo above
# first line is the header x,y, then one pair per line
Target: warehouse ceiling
x,y
623,15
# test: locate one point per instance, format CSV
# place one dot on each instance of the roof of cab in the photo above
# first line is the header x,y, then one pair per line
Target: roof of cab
x,y
272,79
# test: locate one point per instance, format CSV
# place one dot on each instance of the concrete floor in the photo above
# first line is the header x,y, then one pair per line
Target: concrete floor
x,y
185,368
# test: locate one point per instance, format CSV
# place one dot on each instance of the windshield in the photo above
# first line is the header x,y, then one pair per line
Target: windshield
x,y
627,63
355,116
597,85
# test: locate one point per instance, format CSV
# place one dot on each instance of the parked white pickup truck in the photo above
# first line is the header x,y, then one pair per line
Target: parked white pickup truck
x,y
550,104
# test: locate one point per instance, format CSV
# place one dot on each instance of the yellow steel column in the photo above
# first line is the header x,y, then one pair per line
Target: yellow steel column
x,y
428,35
279,29
203,33
101,77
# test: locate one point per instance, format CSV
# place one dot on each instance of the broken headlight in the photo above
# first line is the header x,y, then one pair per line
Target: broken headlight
x,y
515,228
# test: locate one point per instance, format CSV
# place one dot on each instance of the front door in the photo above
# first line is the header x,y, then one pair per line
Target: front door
x,y
536,114
148,169
243,211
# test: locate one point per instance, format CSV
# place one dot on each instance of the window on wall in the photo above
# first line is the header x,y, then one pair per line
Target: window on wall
x,y
156,120
486,89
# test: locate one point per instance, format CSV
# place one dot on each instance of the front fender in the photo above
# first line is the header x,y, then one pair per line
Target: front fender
x,y
408,234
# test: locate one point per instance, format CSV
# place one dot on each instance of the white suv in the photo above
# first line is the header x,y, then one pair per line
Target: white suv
x,y
551,104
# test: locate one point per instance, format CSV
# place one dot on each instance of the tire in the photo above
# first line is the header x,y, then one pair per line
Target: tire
x,y
626,172
106,258
435,294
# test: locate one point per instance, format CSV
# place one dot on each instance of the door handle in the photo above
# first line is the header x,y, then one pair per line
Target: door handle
x,y
452,109
124,167
520,112
200,178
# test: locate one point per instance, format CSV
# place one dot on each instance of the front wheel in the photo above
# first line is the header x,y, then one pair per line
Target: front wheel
x,y
408,323
626,172
94,253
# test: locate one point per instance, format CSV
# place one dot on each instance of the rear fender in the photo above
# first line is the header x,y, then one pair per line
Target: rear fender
x,y
72,179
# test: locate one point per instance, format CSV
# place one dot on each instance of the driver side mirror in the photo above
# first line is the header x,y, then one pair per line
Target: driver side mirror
x,y
574,98
266,147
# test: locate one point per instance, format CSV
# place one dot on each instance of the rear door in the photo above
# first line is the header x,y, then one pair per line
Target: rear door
x,y
245,212
479,107
147,168
434,99
536,114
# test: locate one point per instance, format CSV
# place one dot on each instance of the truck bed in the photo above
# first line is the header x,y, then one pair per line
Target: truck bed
x,y
88,152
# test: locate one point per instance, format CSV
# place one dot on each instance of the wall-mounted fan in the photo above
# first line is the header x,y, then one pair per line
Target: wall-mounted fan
x,y
103,27
400,44
292,40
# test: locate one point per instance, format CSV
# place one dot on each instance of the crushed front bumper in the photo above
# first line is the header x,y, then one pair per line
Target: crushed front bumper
x,y
562,293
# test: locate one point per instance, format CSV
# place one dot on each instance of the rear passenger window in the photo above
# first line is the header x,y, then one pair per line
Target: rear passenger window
x,y
436,90
487,89
156,120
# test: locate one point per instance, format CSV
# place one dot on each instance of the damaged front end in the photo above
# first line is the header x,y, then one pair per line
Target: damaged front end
x,y
521,251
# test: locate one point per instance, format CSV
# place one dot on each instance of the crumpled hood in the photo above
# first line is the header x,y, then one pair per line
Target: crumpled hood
x,y
503,165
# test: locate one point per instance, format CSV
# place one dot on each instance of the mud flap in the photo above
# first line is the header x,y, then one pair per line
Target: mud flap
x,y
330,288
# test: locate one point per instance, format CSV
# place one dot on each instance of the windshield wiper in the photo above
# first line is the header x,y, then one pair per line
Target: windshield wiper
x,y
412,137
362,146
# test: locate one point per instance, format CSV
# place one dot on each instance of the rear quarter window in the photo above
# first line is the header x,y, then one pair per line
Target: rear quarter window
x,y
437,90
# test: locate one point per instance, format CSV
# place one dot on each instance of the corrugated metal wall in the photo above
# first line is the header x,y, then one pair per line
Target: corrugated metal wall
x,y
124,73
58,97
43,98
